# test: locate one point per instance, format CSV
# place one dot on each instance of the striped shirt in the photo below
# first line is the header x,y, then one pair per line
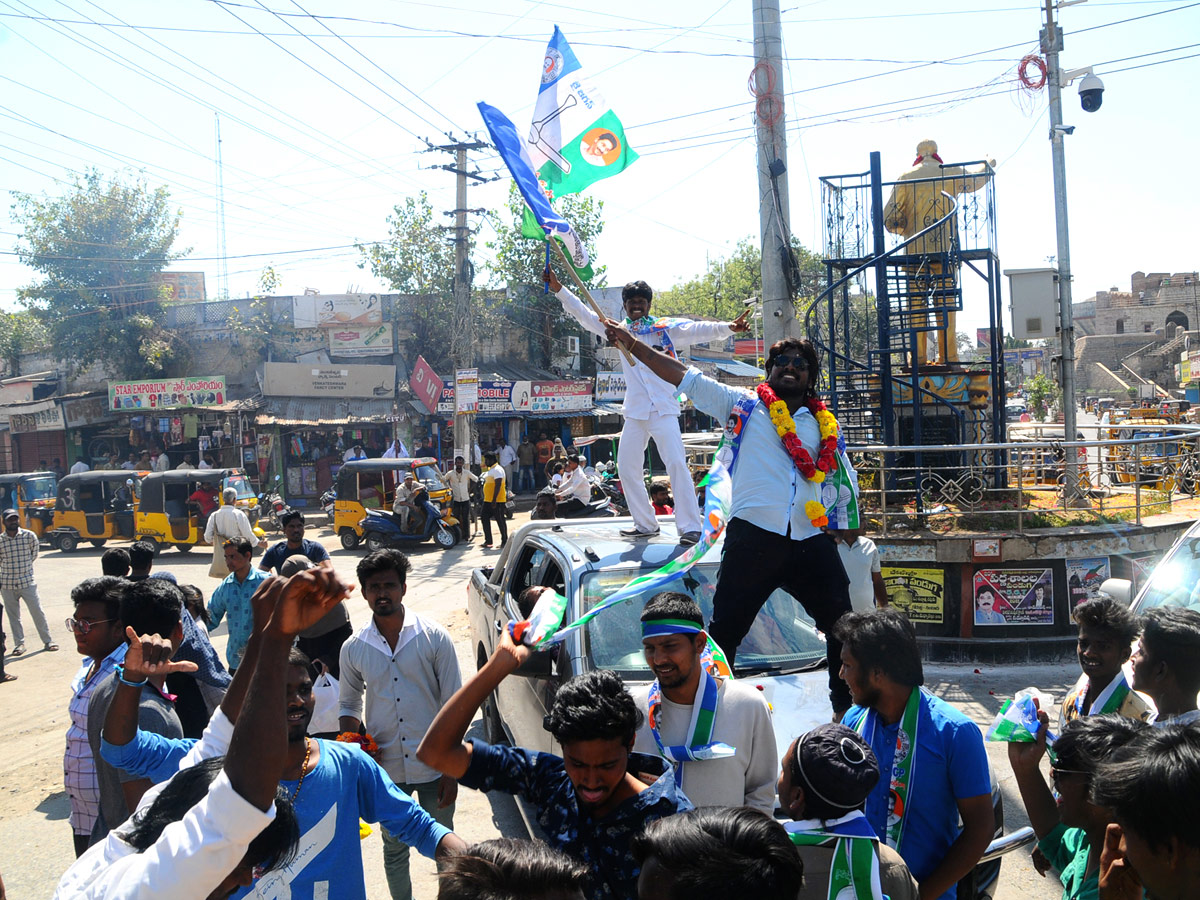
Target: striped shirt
x,y
79,767
17,554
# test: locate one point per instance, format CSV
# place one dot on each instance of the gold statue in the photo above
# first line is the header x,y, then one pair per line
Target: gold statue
x,y
914,207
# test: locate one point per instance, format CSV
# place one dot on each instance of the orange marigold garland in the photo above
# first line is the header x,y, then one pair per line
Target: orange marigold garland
x,y
785,427
365,742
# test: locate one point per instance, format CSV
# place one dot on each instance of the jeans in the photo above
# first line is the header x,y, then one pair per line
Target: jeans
x,y
12,603
494,511
526,481
754,563
395,851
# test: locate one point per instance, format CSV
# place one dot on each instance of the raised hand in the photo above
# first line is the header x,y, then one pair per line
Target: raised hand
x,y
740,324
150,654
551,280
517,653
306,597
263,602
618,335
1118,880
1025,756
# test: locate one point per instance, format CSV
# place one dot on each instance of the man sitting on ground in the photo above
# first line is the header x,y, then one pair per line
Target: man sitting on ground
x,y
1166,664
592,800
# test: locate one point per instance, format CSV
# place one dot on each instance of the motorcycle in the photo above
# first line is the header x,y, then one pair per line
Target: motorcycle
x,y
383,529
275,506
596,509
327,501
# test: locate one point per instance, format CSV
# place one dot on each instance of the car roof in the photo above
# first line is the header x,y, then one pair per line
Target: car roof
x,y
102,475
598,544
175,475
379,464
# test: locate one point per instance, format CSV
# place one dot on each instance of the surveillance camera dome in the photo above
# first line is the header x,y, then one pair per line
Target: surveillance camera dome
x,y
1091,93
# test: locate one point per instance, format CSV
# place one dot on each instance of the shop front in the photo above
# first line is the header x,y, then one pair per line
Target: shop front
x,y
38,434
93,432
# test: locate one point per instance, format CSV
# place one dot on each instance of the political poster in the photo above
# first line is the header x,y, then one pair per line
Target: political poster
x,y
1141,568
919,591
1014,597
466,391
1084,577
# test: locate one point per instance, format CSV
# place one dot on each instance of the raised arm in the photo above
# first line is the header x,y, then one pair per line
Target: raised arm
x,y
584,314
148,654
668,369
442,748
1025,759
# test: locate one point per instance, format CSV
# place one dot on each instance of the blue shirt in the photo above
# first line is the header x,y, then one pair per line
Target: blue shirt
x,y
346,785
950,764
768,490
602,845
274,557
233,597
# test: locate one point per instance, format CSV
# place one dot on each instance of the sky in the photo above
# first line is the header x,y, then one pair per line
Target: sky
x,y
325,108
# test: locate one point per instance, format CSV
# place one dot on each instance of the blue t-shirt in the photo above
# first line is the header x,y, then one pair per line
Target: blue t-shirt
x,y
274,558
346,785
950,764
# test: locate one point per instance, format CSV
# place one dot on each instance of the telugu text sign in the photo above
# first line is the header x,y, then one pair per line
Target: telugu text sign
x,y
44,416
514,397
918,591
167,393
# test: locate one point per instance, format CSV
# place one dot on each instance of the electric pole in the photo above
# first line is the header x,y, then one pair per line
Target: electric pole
x,y
462,342
1051,45
773,217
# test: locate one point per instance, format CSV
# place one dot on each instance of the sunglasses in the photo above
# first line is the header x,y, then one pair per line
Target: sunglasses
x,y
83,626
1055,771
786,359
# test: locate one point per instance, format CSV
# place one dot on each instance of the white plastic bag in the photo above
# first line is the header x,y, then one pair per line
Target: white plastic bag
x,y
325,704
1017,720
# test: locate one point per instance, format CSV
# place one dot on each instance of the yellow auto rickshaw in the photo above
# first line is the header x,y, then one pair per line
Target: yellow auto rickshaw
x,y
96,507
364,484
175,505
31,494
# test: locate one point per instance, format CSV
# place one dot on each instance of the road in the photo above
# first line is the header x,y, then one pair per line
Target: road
x,y
35,840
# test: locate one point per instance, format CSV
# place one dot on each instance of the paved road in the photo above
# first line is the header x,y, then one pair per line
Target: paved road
x,y
35,842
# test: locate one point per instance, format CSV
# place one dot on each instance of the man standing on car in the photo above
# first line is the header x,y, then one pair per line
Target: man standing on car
x,y
575,491
724,753
934,765
785,490
651,400
459,479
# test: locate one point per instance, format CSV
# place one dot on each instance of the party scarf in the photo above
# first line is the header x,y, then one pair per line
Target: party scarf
x,y
855,863
647,325
904,763
704,707
1109,700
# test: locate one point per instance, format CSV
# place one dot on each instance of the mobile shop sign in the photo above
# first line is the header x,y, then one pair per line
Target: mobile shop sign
x,y
560,396
426,385
523,396
167,394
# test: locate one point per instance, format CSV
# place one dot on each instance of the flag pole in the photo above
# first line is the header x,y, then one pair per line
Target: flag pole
x,y
586,294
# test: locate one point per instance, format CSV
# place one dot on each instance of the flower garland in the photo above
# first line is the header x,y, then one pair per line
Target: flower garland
x,y
826,462
365,742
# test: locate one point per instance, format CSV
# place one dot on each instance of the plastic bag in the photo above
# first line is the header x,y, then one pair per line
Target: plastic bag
x,y
325,704
1017,721
544,620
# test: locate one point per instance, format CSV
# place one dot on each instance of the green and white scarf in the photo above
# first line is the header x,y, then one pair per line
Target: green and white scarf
x,y
855,863
903,764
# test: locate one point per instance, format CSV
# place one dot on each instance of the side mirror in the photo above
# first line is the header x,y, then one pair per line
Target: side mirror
x,y
1120,589
538,665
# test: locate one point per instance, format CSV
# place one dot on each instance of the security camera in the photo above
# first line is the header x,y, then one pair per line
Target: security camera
x,y
1091,93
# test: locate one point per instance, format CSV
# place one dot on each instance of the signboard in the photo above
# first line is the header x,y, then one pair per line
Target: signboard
x,y
44,416
515,397
1141,568
1014,597
983,338
466,391
918,591
181,286
300,380
371,340
425,384
1084,577
170,393
85,411
337,310
610,386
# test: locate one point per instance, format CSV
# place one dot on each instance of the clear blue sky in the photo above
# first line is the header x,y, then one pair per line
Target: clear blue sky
x,y
321,134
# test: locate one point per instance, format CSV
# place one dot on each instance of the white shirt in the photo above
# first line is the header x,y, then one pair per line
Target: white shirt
x,y
392,453
575,486
230,522
507,455
163,463
860,560
128,465
460,484
404,689
350,455
645,393
768,490
204,464
185,465
80,466
478,456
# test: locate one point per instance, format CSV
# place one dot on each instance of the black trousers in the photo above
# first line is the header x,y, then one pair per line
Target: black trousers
x,y
494,511
462,512
327,647
755,562
566,507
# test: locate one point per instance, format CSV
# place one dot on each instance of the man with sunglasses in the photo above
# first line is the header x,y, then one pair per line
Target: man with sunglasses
x,y
772,540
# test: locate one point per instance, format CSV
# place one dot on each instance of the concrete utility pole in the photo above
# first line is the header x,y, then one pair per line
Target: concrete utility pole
x,y
773,216
1051,44
462,342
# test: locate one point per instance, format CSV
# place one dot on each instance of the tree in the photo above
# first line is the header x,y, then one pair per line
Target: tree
x,y
1042,394
518,263
100,247
20,331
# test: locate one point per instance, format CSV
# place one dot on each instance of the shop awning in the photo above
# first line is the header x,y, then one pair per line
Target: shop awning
x,y
732,367
312,412
602,408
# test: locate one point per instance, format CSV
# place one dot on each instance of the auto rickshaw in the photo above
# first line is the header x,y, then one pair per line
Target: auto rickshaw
x,y
1163,466
371,484
94,506
1038,459
167,514
31,494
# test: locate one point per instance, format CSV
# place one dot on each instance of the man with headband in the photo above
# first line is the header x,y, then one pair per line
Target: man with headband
x,y
932,757
716,731
825,778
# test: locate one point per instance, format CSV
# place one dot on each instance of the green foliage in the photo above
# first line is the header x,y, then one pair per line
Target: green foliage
x,y
20,331
250,323
518,263
1041,393
100,247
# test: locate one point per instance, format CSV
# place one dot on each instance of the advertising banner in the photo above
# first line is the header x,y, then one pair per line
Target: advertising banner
x,y
1014,597
371,340
425,384
515,397
920,592
1084,577
610,386
170,393
336,310
466,391
560,396
302,380
85,411
44,416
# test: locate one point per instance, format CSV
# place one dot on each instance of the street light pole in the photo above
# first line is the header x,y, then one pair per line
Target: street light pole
x,y
1051,44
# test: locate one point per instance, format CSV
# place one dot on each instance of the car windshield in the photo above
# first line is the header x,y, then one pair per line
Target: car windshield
x,y
782,639
1176,580
40,488
241,484
428,476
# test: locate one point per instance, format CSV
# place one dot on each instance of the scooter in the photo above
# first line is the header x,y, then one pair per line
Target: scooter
x,y
596,509
382,529
273,503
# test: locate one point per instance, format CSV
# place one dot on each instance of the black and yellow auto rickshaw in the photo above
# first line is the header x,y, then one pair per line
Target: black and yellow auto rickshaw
x,y
31,494
169,513
96,507
371,484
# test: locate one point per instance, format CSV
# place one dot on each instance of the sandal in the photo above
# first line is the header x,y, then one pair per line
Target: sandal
x,y
5,678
